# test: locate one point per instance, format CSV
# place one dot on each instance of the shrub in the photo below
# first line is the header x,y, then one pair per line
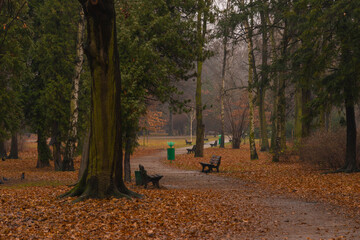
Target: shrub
x,y
325,149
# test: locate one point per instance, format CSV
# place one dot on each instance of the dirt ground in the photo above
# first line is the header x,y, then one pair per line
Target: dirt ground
x,y
286,218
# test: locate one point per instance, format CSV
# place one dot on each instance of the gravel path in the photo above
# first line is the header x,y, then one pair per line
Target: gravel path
x,y
290,218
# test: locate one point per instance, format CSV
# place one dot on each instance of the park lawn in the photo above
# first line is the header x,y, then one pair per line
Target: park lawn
x,y
155,142
289,176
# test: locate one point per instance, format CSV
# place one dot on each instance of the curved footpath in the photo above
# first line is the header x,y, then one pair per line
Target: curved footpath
x,y
293,218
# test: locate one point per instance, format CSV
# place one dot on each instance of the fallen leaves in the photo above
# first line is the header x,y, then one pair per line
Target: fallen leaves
x,y
34,212
288,177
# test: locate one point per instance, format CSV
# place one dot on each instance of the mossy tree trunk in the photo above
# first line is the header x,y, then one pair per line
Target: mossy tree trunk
x,y
14,149
103,176
70,147
252,65
201,31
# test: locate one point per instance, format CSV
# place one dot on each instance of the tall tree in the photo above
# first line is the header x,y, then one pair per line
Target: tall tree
x,y
261,89
203,8
68,161
103,176
252,68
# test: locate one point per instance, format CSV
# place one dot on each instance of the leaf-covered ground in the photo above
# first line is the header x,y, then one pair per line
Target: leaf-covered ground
x,y
289,177
30,208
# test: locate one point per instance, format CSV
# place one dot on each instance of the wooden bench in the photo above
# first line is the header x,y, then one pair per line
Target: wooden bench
x,y
145,178
213,144
191,150
188,142
214,163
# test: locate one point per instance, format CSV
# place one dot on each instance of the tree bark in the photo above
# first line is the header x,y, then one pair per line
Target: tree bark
x,y
298,116
44,153
280,140
70,147
350,158
251,60
171,123
85,155
223,74
201,30
103,176
14,150
264,81
306,123
3,153
128,148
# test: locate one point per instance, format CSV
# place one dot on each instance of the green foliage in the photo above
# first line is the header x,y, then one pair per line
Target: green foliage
x,y
155,45
48,94
15,42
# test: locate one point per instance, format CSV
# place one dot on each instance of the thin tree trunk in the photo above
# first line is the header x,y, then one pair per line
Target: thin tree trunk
x,y
307,118
44,153
264,82
223,74
171,123
127,167
280,140
298,116
14,150
201,30
253,152
70,147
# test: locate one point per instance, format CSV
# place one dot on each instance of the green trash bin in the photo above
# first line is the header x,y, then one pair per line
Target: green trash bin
x,y
138,180
219,139
171,151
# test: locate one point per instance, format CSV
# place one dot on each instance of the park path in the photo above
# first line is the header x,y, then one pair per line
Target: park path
x,y
290,218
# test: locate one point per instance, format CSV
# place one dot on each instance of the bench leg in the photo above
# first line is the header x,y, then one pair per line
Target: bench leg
x,y
156,184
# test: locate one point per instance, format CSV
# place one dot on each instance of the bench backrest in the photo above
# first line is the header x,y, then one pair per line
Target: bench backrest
x,y
193,148
215,143
215,160
142,171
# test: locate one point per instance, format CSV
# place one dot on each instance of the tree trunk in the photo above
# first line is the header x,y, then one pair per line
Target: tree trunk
x,y
44,153
128,148
14,150
307,118
84,156
350,158
171,123
3,153
56,145
264,82
57,155
201,30
223,73
70,147
298,116
280,140
253,152
103,176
